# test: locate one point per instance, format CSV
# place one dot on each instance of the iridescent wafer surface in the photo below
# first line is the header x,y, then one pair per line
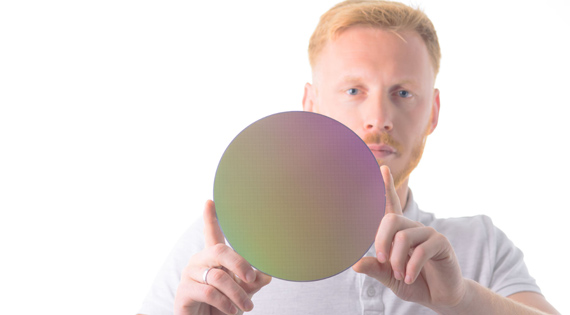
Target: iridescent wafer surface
x,y
299,196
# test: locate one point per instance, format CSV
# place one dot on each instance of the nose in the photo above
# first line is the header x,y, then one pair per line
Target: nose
x,y
378,115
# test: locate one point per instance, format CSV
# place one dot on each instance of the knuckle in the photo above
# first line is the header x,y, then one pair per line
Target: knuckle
x,y
390,218
219,249
208,293
440,238
216,276
235,261
402,237
431,230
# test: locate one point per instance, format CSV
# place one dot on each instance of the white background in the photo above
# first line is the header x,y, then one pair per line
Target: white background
x,y
114,115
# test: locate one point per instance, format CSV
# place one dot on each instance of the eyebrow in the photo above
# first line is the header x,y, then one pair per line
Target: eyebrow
x,y
350,78
406,82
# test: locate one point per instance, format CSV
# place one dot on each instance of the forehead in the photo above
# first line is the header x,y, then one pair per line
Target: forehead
x,y
361,50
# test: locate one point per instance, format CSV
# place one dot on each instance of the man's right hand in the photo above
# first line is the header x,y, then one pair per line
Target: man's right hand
x,y
231,281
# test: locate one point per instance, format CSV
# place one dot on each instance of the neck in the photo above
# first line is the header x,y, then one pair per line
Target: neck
x,y
402,192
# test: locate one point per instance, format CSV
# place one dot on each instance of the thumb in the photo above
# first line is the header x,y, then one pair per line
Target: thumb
x,y
371,267
392,199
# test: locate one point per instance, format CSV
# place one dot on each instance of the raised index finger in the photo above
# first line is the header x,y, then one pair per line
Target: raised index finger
x,y
392,200
212,233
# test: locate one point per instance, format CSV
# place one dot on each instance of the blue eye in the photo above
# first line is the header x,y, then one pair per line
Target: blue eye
x,y
352,91
404,93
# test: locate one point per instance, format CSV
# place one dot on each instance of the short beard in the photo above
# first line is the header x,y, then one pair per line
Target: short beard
x,y
416,154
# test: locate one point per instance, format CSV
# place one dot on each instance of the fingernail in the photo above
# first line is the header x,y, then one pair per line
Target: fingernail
x,y
381,257
408,279
250,276
248,305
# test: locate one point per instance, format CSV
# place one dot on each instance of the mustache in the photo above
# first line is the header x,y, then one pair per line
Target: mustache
x,y
382,138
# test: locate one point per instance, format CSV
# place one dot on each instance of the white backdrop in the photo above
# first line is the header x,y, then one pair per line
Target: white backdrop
x,y
114,115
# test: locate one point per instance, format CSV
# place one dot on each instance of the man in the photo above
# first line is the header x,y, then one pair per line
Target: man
x,y
374,67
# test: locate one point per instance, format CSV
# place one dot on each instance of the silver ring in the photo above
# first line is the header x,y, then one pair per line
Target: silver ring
x,y
205,275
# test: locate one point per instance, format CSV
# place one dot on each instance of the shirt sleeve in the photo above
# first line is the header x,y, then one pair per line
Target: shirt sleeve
x,y
510,274
160,299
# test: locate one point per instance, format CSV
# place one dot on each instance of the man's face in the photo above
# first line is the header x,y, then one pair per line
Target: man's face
x,y
380,85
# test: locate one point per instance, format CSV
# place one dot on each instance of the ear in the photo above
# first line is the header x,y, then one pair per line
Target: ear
x,y
434,116
309,98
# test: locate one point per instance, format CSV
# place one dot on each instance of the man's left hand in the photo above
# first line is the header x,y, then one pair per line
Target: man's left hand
x,y
414,261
